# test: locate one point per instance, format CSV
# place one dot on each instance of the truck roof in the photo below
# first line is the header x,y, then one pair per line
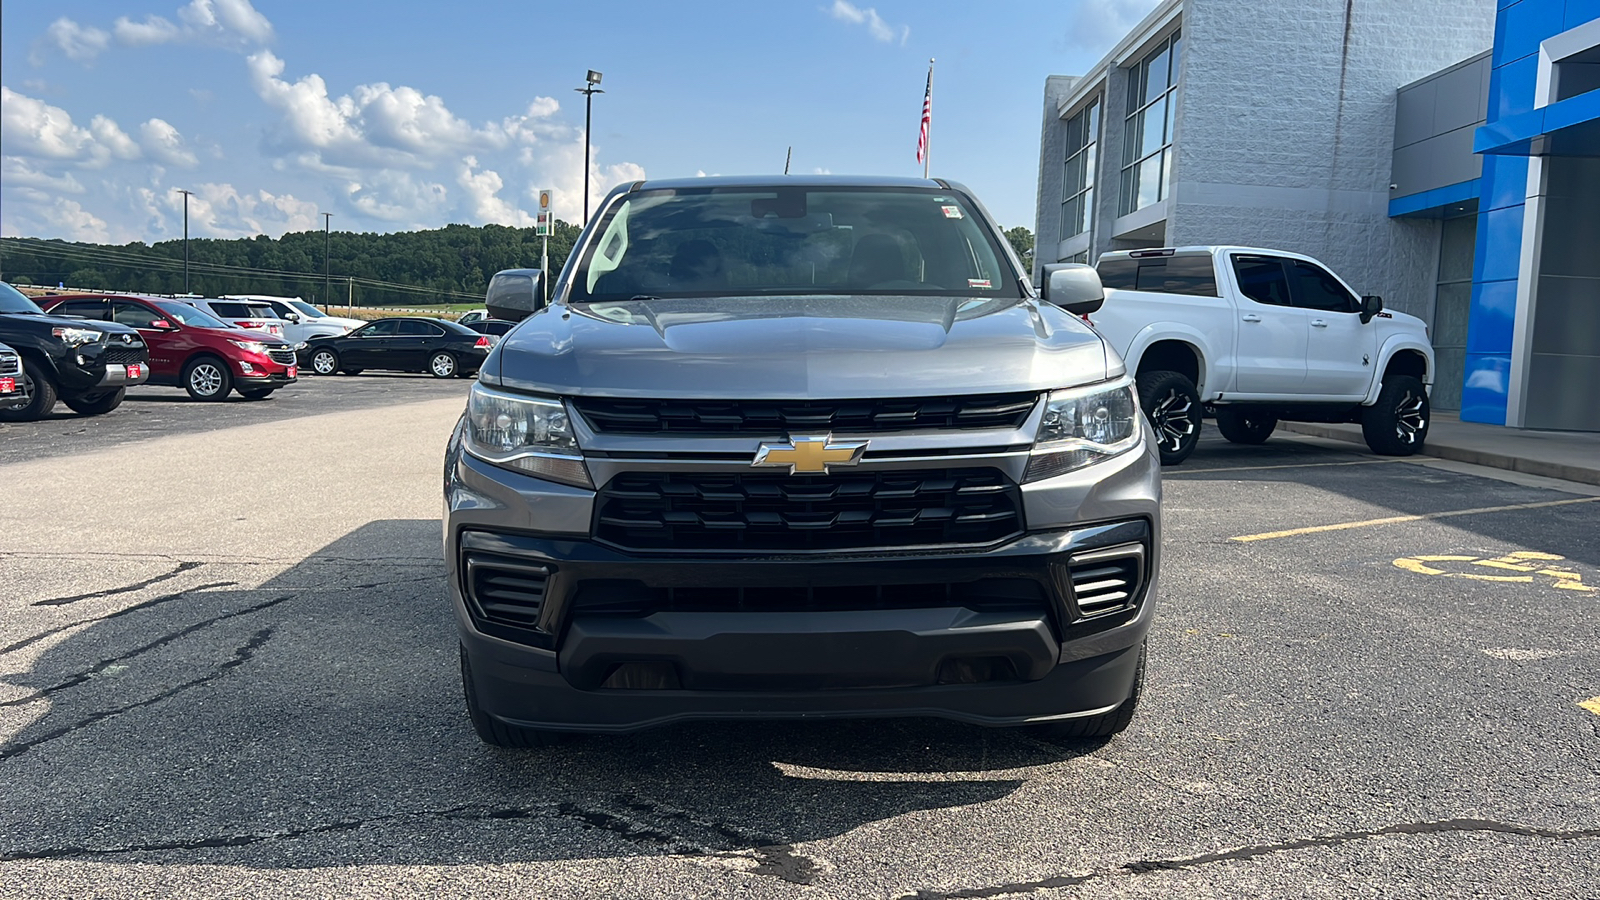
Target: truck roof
x,y
1195,249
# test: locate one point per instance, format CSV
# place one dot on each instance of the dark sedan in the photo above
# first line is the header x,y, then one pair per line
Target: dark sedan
x,y
440,348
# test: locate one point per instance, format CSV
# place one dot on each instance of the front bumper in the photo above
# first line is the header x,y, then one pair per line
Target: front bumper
x,y
117,375
783,640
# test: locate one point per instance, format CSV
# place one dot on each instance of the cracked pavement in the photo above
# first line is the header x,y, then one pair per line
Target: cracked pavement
x,y
227,667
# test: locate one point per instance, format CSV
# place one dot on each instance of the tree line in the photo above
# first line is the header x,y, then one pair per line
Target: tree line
x,y
452,264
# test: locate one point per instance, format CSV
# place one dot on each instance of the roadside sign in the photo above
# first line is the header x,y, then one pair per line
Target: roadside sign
x,y
542,223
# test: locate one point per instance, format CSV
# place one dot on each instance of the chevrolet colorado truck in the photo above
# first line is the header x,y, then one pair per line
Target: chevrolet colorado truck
x,y
1262,336
801,447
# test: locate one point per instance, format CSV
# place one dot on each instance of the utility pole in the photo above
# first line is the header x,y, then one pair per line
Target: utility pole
x,y
185,239
327,288
590,88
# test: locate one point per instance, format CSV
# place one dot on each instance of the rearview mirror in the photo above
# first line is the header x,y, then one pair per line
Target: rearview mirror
x,y
1074,287
1371,305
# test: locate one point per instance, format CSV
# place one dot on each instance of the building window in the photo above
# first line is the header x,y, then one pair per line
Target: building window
x,y
1077,183
1147,134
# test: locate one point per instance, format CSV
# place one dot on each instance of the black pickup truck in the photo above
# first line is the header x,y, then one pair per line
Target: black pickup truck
x,y
87,365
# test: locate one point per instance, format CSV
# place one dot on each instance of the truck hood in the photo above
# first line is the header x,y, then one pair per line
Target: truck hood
x,y
346,324
54,321
825,347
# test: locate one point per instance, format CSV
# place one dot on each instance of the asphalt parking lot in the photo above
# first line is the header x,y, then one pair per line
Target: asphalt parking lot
x,y
227,667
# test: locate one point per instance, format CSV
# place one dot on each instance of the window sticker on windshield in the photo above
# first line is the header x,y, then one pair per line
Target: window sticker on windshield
x,y
979,283
951,212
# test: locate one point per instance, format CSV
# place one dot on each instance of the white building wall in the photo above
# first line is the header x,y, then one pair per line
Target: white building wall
x,y
1286,130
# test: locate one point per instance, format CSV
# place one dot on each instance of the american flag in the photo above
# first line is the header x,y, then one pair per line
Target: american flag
x,y
927,119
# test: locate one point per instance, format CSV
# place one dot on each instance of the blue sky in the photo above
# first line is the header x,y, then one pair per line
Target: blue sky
x,y
404,115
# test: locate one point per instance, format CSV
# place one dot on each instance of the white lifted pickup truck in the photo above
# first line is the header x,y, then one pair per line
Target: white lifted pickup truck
x,y
1261,336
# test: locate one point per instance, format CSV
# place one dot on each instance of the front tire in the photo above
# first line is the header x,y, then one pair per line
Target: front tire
x,y
1397,425
1104,725
1242,425
324,362
207,379
1172,405
494,732
442,365
42,392
96,404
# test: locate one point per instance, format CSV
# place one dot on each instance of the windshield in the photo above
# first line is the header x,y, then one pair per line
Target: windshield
x,y
184,314
15,301
307,310
706,242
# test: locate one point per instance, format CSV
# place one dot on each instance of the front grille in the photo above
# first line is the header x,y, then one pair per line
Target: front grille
x,y
10,364
505,592
782,417
1106,580
768,511
117,355
633,598
281,355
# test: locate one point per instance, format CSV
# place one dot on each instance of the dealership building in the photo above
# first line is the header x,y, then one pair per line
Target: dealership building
x,y
1444,154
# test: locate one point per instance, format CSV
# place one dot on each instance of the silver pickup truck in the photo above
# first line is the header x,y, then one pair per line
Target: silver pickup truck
x,y
794,448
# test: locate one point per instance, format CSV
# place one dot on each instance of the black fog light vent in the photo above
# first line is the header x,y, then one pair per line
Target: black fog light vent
x,y
1105,581
643,676
506,592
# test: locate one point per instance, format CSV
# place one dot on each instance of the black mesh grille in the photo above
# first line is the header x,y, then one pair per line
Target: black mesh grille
x,y
506,592
121,356
774,512
778,418
284,355
632,598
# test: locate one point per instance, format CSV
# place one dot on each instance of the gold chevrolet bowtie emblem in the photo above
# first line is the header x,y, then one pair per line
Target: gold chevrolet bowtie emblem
x,y
810,454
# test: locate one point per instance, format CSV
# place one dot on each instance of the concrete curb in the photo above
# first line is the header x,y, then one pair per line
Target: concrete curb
x,y
1444,449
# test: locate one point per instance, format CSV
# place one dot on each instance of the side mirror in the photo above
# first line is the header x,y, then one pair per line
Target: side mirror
x,y
1074,287
292,318
1371,305
162,325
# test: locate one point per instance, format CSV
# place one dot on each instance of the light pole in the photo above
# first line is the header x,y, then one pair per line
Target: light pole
x,y
588,91
327,220
185,239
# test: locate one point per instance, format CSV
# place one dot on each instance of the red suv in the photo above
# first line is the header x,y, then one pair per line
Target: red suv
x,y
190,348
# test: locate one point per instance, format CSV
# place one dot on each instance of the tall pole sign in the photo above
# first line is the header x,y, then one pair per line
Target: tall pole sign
x,y
542,228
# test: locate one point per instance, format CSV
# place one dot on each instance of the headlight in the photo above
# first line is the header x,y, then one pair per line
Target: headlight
x,y
1083,426
249,346
526,434
77,337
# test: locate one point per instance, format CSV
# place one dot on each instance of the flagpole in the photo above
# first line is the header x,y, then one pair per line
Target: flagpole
x,y
927,154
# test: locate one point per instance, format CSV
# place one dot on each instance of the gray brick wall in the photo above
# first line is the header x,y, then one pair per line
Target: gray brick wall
x,y
1271,152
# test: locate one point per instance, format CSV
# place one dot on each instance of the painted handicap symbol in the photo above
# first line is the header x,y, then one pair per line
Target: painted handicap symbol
x,y
1522,567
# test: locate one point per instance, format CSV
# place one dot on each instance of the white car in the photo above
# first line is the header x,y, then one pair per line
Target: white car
x,y
304,321
1261,336
473,315
251,314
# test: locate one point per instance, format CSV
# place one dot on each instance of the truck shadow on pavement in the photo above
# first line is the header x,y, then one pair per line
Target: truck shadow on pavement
x,y
316,720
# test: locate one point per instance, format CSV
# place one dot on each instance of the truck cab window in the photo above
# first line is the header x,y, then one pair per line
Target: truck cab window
x,y
1314,288
1261,278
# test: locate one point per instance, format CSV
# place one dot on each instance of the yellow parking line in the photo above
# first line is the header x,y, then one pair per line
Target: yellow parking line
x,y
1592,705
1359,462
1394,520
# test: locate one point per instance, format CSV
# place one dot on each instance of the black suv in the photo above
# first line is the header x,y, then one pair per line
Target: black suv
x,y
87,365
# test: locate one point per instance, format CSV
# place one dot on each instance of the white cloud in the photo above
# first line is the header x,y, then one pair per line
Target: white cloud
x,y
113,138
880,30
18,173
483,196
33,128
405,119
223,22
1097,25
398,197
221,210
74,41
164,143
44,213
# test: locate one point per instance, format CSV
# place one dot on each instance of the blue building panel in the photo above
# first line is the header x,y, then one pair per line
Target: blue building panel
x,y
1504,183
1494,315
1485,388
1511,87
1579,12
1521,26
